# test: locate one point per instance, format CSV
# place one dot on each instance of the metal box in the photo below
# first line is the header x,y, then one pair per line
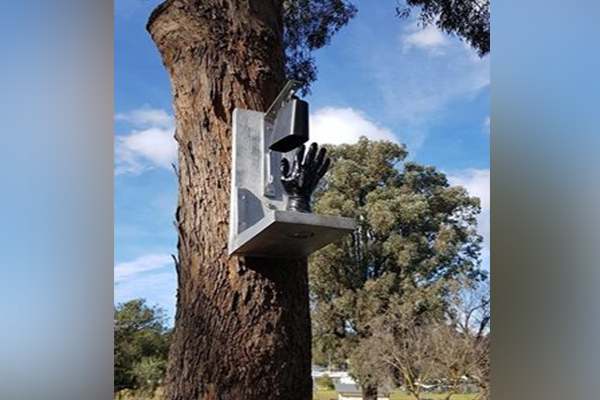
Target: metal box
x,y
291,127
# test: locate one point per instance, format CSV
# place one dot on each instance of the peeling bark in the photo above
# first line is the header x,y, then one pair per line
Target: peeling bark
x,y
242,326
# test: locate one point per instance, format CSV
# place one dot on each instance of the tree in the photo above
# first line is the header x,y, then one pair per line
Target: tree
x,y
140,338
483,370
469,19
413,349
309,25
454,356
242,326
403,342
470,307
415,234
324,383
469,313
149,374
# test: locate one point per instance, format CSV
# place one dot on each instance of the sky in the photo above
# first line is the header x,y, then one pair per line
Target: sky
x,y
381,77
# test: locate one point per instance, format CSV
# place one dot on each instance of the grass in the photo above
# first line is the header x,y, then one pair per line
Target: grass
x,y
129,394
332,395
400,396
327,395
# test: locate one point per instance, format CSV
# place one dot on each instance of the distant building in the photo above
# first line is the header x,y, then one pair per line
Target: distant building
x,y
349,391
335,376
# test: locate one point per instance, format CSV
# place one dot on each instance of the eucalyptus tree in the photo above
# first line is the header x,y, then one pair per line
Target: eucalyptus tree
x,y
141,341
415,235
467,19
242,326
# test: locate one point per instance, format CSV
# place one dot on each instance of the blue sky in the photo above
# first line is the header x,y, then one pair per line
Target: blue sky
x,y
381,77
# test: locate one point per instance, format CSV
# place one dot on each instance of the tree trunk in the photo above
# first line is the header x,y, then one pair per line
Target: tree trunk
x,y
242,326
369,392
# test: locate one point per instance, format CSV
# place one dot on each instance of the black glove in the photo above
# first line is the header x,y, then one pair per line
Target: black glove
x,y
301,181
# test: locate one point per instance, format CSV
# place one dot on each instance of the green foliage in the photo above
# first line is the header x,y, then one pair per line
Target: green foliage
x,y
415,233
324,383
309,25
148,374
469,19
141,343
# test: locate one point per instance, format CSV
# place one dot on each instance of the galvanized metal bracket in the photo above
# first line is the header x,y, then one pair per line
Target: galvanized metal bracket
x,y
282,98
259,225
271,161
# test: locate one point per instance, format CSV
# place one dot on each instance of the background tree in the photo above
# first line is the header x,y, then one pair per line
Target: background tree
x,y
324,383
454,356
415,234
149,374
483,371
413,349
469,313
141,342
468,19
242,326
403,342
309,26
470,307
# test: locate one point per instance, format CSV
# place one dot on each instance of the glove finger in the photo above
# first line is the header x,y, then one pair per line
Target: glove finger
x,y
320,158
299,158
322,170
285,167
310,157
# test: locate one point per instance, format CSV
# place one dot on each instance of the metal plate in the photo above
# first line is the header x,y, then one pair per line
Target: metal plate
x,y
287,234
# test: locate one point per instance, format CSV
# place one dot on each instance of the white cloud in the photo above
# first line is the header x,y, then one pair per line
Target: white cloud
x,y
159,288
137,151
150,144
412,89
151,276
419,95
148,117
477,182
150,262
487,125
430,39
345,125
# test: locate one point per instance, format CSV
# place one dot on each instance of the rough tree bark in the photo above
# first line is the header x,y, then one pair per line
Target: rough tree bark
x,y
242,326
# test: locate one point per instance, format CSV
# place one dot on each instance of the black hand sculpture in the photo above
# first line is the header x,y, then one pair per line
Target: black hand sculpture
x,y
301,181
